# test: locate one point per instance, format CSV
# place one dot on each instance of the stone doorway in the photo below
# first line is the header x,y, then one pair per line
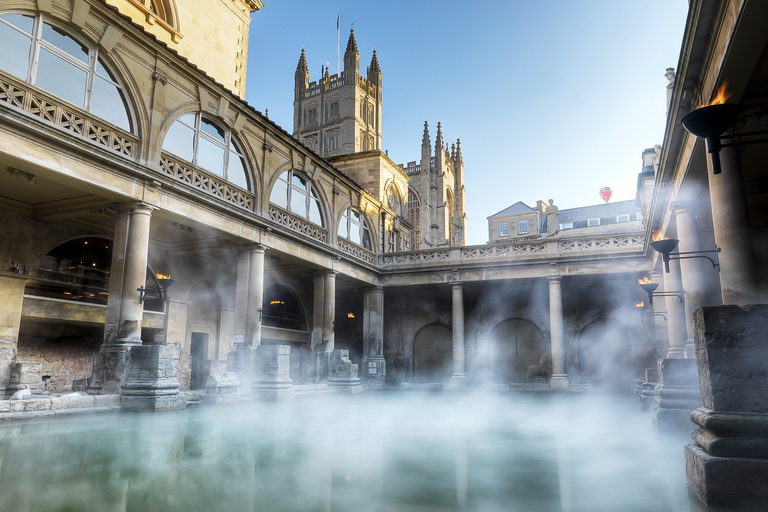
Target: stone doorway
x,y
518,353
433,354
199,355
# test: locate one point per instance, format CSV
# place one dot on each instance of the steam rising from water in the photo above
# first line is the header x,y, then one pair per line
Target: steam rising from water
x,y
375,452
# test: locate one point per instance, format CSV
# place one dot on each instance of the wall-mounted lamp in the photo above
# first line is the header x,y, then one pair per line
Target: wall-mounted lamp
x,y
650,288
711,121
665,247
165,282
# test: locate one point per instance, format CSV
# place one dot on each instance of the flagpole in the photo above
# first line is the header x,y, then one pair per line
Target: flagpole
x,y
338,45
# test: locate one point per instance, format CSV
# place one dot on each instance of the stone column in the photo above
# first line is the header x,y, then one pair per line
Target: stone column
x,y
459,377
738,275
728,464
373,336
252,337
323,320
122,328
693,270
678,333
12,299
559,379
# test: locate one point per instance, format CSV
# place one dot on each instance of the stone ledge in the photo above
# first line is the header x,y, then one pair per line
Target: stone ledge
x,y
31,415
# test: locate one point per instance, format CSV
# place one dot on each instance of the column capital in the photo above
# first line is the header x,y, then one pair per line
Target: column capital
x,y
554,279
678,207
457,284
136,207
376,289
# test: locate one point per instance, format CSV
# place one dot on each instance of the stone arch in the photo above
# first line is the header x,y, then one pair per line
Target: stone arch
x,y
605,354
518,352
433,353
371,227
118,72
324,205
282,307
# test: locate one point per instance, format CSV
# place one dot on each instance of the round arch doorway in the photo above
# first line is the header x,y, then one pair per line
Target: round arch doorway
x,y
518,353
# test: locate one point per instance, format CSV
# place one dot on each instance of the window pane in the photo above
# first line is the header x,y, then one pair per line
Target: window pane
x,y
280,194
314,212
25,23
343,225
179,140
299,182
298,203
212,130
14,58
210,156
61,78
354,234
366,238
62,41
236,171
108,104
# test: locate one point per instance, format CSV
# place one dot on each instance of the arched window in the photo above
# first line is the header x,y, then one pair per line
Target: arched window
x,y
354,228
394,201
294,192
205,144
281,308
414,211
42,54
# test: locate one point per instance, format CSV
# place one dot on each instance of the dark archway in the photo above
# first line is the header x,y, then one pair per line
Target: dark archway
x,y
281,308
605,355
518,352
433,354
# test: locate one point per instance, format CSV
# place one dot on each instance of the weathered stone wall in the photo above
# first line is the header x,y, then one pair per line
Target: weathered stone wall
x,y
65,352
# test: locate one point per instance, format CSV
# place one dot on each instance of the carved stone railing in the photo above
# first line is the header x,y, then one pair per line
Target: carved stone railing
x,y
601,243
426,256
541,249
23,96
201,180
355,250
297,224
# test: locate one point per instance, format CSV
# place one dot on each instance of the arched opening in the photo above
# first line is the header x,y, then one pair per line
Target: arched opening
x,y
414,213
281,308
605,355
40,52
518,353
433,354
204,143
293,191
354,227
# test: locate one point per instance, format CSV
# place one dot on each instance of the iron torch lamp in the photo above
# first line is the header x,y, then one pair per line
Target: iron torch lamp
x,y
650,288
710,122
665,246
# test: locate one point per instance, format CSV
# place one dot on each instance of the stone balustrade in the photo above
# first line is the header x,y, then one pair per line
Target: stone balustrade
x,y
539,249
39,104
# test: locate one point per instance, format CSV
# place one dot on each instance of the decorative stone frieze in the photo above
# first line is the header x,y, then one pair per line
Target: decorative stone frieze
x,y
201,180
297,224
355,250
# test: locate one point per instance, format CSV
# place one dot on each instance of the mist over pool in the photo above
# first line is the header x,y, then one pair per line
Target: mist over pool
x,y
411,451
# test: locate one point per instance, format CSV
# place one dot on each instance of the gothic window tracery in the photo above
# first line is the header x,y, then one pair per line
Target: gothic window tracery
x,y
43,54
204,143
354,228
331,142
294,192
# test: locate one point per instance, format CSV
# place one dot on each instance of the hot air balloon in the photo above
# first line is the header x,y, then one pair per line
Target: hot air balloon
x,y
606,193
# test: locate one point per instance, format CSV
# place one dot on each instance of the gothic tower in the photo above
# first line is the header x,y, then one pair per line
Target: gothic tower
x,y
339,115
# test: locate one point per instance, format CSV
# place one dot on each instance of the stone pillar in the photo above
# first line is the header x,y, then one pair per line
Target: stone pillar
x,y
678,333
272,373
677,395
12,299
323,322
255,297
693,270
728,464
122,327
373,336
459,376
559,379
247,315
661,331
738,275
152,379
342,376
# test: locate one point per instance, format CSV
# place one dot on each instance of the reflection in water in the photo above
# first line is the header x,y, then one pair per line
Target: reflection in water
x,y
375,452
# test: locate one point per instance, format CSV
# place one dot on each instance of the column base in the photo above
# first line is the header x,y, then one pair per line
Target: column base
x,y
559,381
272,369
676,353
113,360
271,391
690,349
458,380
151,379
154,403
735,483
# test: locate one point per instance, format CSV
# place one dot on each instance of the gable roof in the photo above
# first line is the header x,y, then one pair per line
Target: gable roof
x,y
518,207
598,210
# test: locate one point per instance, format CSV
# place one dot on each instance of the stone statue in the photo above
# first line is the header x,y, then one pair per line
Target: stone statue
x,y
457,230
542,208
552,213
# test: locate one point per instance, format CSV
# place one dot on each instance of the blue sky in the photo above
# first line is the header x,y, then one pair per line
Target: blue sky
x,y
552,99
